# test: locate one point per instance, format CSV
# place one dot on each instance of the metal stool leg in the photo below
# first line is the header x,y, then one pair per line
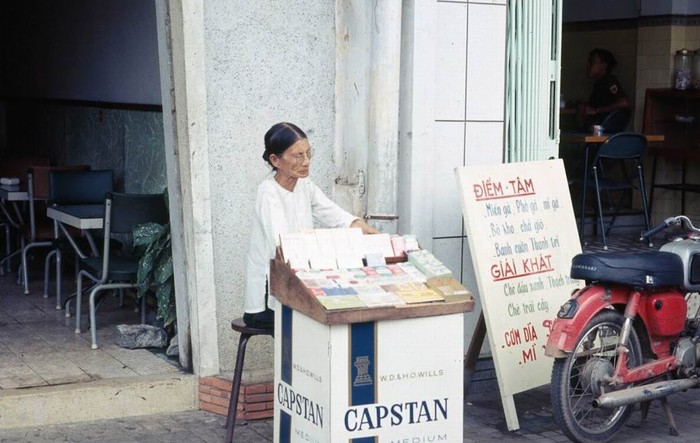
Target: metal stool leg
x,y
235,387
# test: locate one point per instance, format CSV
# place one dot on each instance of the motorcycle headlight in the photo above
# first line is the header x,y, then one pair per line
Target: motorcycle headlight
x,y
568,309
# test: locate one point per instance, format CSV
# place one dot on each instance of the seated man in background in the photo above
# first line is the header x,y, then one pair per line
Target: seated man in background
x,y
608,99
607,106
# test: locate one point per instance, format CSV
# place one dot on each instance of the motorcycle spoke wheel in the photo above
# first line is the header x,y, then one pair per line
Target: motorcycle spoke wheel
x,y
579,379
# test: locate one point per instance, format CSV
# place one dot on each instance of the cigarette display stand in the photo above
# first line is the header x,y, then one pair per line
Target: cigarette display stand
x,y
381,374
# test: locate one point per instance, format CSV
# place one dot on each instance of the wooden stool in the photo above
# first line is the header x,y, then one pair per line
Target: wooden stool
x,y
246,332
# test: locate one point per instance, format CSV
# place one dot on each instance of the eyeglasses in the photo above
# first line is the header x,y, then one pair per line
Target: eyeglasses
x,y
299,158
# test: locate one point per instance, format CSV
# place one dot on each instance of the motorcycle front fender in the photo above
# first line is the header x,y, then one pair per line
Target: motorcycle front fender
x,y
589,301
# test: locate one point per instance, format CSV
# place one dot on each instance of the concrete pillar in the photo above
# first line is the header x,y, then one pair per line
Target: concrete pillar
x,y
182,56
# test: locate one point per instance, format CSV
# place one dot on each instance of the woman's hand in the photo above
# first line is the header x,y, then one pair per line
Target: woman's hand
x,y
366,229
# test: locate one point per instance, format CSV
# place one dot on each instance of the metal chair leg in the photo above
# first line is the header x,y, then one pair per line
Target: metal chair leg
x,y
78,303
25,272
235,388
93,319
600,209
8,249
25,268
59,278
47,275
20,270
645,207
8,259
47,271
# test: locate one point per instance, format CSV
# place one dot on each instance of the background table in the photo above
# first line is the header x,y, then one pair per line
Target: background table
x,y
78,216
571,137
83,217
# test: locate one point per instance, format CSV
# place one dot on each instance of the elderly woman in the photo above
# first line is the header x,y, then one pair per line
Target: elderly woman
x,y
288,201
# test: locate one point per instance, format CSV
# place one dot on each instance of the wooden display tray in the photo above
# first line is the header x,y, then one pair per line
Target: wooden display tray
x,y
290,291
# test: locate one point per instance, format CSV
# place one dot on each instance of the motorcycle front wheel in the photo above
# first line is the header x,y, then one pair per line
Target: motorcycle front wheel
x,y
578,379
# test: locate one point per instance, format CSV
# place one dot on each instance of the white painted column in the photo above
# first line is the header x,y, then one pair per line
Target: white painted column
x,y
417,121
384,86
353,24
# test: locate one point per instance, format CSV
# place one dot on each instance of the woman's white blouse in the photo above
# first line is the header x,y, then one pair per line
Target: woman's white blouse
x,y
279,211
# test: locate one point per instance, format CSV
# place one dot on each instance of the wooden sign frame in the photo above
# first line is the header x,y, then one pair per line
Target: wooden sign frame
x,y
522,235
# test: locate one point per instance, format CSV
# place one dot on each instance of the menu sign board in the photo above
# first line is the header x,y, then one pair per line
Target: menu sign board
x,y
522,235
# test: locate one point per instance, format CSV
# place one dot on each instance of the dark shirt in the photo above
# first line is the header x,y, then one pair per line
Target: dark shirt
x,y
606,91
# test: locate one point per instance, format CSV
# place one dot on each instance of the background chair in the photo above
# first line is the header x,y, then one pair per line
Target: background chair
x,y
72,187
40,230
616,121
618,169
111,271
86,187
17,167
12,217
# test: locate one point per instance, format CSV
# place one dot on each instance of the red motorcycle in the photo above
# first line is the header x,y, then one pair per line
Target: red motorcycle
x,y
624,338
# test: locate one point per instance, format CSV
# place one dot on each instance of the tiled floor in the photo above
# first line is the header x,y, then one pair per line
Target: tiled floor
x,y
626,238
620,243
38,346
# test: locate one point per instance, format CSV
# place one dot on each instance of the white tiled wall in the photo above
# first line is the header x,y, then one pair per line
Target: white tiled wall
x,y
460,143
451,55
469,99
469,114
449,153
484,143
486,62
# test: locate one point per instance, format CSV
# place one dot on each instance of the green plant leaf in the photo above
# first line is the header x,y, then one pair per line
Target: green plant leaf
x,y
155,270
166,302
164,269
146,268
147,233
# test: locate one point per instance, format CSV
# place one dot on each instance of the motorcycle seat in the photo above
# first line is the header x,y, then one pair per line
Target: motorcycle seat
x,y
643,269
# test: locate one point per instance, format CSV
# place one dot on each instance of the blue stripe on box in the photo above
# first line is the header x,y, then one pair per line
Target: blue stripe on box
x,y
362,364
285,427
364,440
286,371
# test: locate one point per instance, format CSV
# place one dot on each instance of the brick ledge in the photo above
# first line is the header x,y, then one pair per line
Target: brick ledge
x,y
255,400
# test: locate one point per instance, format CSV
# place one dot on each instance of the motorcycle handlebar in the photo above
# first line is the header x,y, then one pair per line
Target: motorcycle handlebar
x,y
658,228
